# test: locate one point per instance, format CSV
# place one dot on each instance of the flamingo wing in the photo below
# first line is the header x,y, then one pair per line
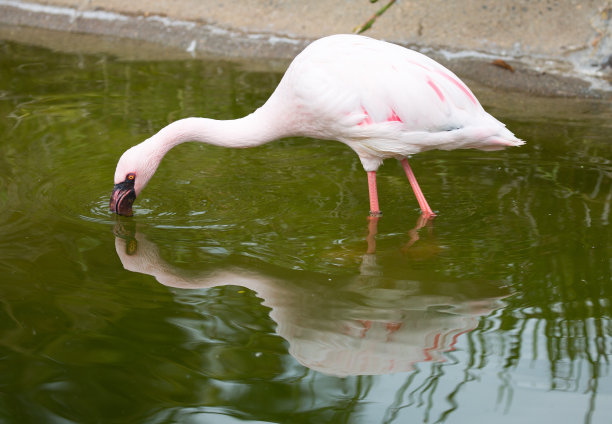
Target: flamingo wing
x,y
385,100
343,75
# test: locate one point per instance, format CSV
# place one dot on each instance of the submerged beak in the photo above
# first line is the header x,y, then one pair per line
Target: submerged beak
x,y
122,198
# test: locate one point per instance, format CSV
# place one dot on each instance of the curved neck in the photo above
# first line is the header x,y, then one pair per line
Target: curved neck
x,y
252,130
266,124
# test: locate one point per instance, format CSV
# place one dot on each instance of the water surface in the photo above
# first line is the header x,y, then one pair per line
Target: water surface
x,y
250,285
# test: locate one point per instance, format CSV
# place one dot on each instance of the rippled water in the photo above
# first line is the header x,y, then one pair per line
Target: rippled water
x,y
250,286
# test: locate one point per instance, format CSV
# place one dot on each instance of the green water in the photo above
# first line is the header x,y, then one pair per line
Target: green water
x,y
249,285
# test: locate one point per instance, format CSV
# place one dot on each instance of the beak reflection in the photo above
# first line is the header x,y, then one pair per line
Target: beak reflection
x,y
363,324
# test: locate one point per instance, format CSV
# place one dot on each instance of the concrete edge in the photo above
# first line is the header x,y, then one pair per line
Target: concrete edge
x,y
160,38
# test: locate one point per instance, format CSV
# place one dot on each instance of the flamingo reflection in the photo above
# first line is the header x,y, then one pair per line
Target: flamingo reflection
x,y
367,324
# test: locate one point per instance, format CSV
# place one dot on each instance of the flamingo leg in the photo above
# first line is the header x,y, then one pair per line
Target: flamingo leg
x,y
374,208
417,190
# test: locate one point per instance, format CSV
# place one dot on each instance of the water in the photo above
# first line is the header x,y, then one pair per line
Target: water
x,y
250,286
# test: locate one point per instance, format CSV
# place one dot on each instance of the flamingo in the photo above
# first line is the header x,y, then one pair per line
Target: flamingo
x,y
380,99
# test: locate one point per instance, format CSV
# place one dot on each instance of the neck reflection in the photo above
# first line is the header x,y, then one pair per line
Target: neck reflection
x,y
367,324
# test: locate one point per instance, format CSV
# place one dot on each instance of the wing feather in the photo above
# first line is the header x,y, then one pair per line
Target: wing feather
x,y
381,80
385,100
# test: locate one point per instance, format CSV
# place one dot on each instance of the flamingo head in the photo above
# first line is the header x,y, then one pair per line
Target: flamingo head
x,y
134,170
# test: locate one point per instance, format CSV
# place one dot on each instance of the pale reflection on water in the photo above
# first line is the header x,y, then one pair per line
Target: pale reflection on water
x,y
82,339
365,325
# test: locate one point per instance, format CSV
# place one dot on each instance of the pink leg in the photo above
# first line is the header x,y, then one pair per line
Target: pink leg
x,y
417,190
374,208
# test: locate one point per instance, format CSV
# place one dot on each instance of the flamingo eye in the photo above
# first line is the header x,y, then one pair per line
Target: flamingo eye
x,y
130,177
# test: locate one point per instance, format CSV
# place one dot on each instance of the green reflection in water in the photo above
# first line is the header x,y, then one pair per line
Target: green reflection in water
x,y
497,309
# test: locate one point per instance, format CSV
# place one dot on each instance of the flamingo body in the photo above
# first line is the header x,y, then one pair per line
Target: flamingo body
x,y
382,100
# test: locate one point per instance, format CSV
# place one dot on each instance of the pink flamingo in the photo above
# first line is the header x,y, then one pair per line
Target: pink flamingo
x,y
380,99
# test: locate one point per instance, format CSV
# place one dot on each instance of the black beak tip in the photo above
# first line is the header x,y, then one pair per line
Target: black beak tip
x,y
121,201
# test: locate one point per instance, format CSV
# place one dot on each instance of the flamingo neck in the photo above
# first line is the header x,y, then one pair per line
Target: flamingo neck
x,y
252,130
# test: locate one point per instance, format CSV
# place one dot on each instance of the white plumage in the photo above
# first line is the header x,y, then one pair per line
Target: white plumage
x,y
382,100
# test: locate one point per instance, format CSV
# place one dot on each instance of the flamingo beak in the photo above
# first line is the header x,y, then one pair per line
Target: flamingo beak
x,y
122,198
